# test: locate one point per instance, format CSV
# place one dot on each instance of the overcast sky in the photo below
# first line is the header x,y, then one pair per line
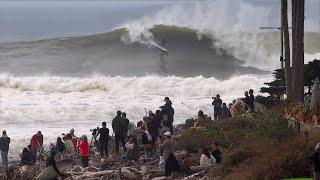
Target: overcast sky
x,y
31,20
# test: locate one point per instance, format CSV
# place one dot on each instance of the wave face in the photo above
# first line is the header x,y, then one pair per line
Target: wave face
x,y
110,54
191,53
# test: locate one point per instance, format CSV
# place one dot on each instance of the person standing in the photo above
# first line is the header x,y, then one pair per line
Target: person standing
x,y
60,146
4,148
83,146
167,147
251,100
217,103
118,129
103,134
125,122
168,112
37,140
246,100
225,113
146,140
153,128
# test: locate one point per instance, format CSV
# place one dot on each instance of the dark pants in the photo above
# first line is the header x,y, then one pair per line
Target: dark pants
x,y
170,126
120,137
84,161
4,157
216,114
103,146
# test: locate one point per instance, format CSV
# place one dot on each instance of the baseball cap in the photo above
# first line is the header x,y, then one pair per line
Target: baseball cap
x,y
168,133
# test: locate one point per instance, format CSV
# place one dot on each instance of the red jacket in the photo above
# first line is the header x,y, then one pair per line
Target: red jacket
x,y
84,148
36,141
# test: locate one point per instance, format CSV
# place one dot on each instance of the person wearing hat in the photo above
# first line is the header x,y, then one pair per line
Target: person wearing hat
x,y
71,137
37,140
167,147
4,148
168,113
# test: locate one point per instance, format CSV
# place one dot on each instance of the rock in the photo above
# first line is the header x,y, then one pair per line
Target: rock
x,y
127,173
144,170
159,178
90,169
76,169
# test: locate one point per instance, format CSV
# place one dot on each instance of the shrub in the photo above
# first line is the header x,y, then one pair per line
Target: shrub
x,y
285,159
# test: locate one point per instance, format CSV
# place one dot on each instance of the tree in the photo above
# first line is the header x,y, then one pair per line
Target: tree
x,y
298,49
277,87
285,28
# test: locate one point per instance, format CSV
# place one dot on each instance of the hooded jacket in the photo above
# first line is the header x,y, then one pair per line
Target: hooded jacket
x,y
37,141
4,143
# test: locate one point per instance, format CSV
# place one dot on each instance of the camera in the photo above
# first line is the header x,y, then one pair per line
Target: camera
x,y
94,131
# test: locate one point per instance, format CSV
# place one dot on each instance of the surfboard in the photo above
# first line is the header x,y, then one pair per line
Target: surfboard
x,y
162,49
50,173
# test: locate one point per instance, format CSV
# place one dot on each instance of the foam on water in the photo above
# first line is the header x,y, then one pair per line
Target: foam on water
x,y
55,104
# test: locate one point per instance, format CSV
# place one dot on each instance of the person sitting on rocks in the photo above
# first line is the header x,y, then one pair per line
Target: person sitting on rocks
x,y
201,122
216,152
171,165
185,165
206,158
133,149
26,158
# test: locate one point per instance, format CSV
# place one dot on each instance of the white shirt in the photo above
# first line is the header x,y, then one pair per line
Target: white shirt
x,y
205,161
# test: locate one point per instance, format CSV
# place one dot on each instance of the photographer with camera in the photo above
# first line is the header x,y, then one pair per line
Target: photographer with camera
x,y
217,102
103,134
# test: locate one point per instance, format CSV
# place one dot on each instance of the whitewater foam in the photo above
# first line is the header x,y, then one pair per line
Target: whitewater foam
x,y
55,104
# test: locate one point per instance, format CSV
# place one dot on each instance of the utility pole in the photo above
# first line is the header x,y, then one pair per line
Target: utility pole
x,y
287,53
298,49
